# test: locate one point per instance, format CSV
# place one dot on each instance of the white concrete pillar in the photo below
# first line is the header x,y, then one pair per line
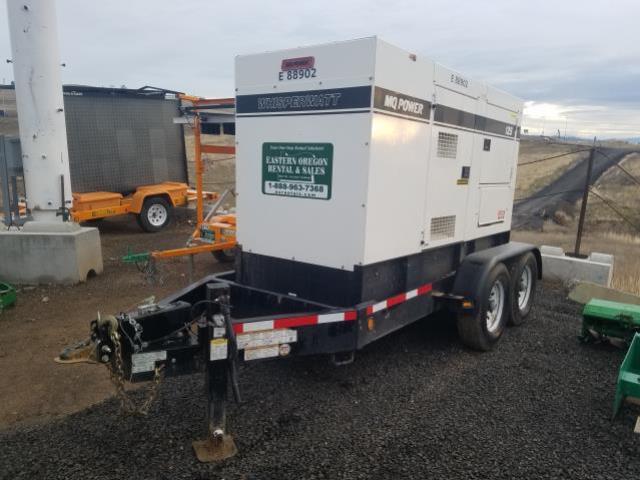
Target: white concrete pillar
x,y
43,131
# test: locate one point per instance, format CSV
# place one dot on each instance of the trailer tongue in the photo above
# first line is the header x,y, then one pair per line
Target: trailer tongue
x,y
374,188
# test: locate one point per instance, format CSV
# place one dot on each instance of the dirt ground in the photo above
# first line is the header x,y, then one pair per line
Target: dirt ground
x,y
47,318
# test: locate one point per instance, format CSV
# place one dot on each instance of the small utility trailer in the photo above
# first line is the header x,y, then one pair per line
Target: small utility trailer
x,y
374,188
152,205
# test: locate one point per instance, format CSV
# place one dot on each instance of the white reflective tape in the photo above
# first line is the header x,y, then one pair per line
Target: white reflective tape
x,y
257,326
331,317
379,306
412,294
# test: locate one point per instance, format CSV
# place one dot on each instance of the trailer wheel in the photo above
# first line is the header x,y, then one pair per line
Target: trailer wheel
x,y
224,256
482,329
525,277
155,214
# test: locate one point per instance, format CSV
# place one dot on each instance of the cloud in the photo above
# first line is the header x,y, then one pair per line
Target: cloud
x,y
572,54
581,120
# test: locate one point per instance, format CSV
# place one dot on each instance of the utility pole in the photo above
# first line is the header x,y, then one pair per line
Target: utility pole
x,y
43,132
585,197
48,249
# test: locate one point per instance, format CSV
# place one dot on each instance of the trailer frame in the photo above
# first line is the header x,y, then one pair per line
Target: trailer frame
x,y
217,322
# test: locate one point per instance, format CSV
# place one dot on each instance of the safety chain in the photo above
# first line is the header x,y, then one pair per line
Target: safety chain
x,y
116,372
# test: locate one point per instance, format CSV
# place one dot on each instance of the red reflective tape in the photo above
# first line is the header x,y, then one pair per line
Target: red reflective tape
x,y
396,300
290,322
295,321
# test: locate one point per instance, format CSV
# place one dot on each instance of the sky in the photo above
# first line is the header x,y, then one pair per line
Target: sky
x,y
575,63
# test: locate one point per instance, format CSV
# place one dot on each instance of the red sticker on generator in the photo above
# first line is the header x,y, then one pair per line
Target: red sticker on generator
x,y
296,63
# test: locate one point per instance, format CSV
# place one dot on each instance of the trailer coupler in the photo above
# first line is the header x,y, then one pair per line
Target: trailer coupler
x,y
91,349
81,352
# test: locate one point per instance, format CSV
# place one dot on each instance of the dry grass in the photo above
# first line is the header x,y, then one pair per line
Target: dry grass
x,y
624,247
626,283
615,185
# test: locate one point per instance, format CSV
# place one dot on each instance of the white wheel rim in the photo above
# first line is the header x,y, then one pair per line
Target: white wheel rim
x,y
525,283
157,215
495,306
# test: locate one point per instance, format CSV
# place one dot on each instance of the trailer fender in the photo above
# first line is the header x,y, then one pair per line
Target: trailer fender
x,y
475,267
140,196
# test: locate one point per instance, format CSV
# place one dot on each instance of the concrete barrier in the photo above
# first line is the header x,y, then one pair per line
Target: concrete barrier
x,y
596,268
62,253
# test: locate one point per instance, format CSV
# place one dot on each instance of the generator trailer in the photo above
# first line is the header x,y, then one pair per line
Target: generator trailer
x,y
374,188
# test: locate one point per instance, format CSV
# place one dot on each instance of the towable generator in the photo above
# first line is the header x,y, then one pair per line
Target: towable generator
x,y
374,188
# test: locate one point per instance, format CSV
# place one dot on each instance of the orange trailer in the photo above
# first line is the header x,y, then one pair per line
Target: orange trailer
x,y
151,204
215,233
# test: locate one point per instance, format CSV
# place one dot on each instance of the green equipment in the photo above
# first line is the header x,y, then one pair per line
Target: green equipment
x,y
603,319
7,295
136,257
629,376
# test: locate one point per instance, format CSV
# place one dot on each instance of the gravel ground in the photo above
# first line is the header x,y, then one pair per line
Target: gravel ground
x,y
414,405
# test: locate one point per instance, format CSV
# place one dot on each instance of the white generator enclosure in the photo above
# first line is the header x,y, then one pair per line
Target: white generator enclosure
x,y
357,152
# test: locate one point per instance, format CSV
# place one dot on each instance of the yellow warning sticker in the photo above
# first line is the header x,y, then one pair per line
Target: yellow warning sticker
x,y
218,350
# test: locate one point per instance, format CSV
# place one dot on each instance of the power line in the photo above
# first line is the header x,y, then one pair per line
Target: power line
x,y
626,172
547,195
553,157
610,203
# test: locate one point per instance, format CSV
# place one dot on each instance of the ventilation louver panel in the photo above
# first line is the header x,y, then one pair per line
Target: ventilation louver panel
x,y
447,145
443,227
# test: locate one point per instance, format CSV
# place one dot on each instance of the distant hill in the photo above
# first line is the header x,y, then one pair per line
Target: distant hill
x,y
611,142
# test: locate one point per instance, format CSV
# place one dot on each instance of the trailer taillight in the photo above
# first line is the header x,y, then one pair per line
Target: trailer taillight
x,y
371,324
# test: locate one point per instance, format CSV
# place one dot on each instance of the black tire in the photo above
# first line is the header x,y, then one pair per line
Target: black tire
x,y
526,266
474,329
155,215
225,256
